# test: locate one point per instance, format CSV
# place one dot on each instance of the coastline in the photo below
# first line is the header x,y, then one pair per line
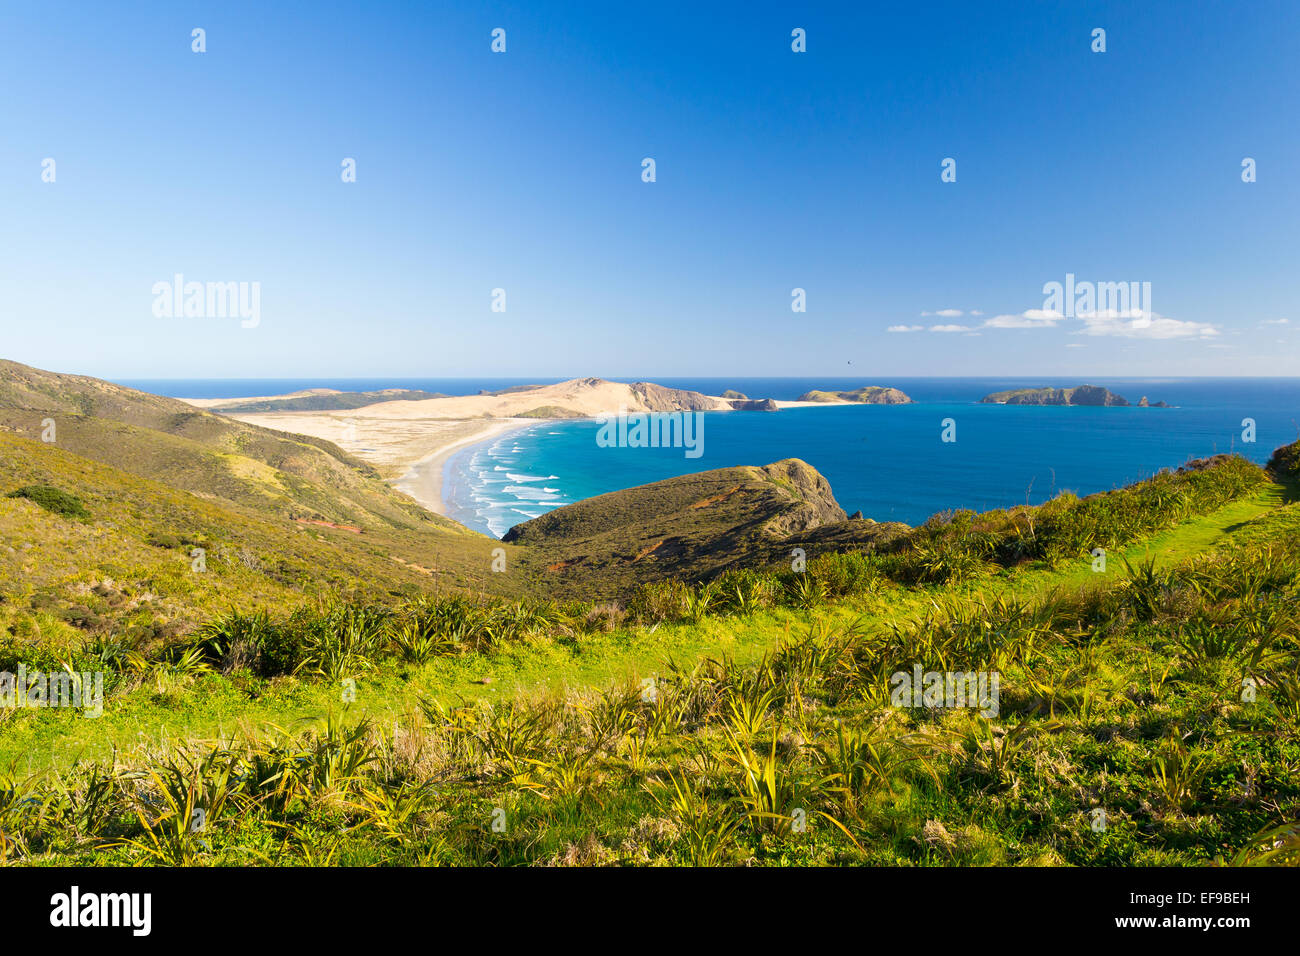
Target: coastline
x,y
425,478
411,442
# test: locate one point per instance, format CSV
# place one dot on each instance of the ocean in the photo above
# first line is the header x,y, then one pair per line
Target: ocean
x,y
888,461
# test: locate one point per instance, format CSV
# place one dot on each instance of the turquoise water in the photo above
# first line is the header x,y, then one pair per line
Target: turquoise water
x,y
889,461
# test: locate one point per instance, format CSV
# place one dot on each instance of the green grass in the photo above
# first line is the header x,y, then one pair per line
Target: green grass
x,y
1191,537
385,698
541,665
336,401
1114,709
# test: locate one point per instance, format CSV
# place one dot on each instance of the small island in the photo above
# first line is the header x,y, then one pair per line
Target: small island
x,y
867,395
1093,395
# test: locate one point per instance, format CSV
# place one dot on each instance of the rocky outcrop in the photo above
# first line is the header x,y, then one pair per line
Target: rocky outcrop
x,y
815,502
660,398
1093,395
689,527
867,395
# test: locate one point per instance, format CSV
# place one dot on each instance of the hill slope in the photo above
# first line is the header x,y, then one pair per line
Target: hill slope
x,y
209,455
279,517
688,527
866,395
127,569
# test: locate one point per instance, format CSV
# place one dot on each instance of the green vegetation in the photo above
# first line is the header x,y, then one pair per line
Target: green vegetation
x,y
328,401
1160,693
690,528
658,678
550,411
1079,395
955,546
53,500
867,394
263,472
1285,463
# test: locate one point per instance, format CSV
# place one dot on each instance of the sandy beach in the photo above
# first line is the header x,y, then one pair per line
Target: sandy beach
x,y
409,453
423,480
409,441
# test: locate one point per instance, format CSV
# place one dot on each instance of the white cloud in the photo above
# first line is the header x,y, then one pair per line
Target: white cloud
x,y
1132,324
1029,319
905,328
1075,345
1136,324
1275,322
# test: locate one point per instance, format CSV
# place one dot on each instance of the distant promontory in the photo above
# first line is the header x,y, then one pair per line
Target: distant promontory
x,y
1079,395
867,395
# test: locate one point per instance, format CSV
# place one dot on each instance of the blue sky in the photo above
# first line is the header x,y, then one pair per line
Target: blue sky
x,y
775,170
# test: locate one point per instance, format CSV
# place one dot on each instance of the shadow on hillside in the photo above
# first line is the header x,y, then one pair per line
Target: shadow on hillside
x,y
1290,490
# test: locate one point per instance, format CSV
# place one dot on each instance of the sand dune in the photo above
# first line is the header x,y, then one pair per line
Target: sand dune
x,y
579,397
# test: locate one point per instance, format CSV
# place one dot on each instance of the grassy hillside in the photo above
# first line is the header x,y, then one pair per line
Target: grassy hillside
x,y
122,565
868,395
651,680
327,401
278,516
214,457
688,528
746,720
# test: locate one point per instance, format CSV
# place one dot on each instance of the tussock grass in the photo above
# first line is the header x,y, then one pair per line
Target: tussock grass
x,y
1163,694
1125,698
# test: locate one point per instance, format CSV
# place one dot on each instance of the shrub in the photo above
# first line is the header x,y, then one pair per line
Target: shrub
x,y
845,573
81,616
659,601
803,590
53,500
603,617
1285,462
941,561
953,546
743,591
